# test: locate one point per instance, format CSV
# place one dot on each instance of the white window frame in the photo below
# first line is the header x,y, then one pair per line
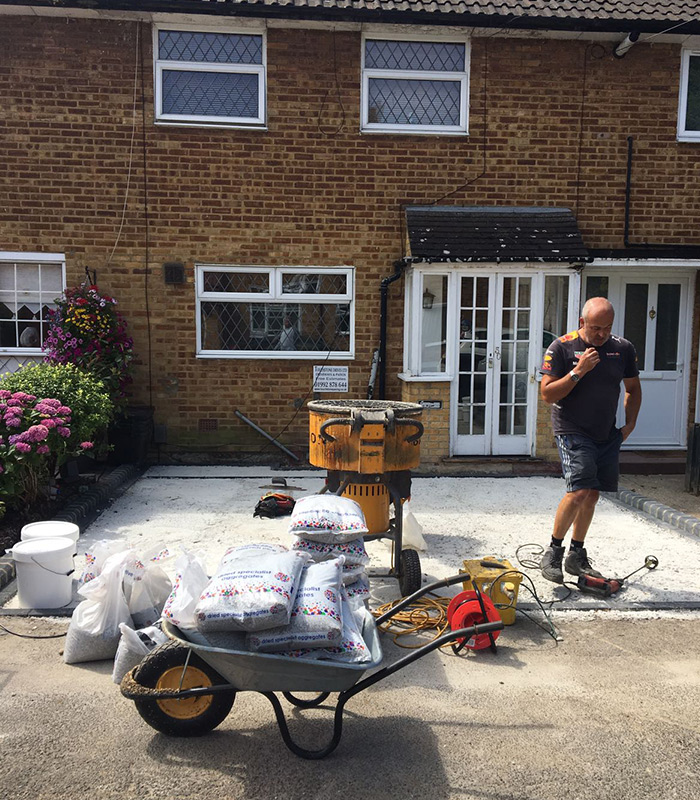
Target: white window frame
x,y
159,65
683,134
32,258
462,77
277,297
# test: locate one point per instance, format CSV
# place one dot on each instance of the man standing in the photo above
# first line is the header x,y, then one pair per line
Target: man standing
x,y
581,376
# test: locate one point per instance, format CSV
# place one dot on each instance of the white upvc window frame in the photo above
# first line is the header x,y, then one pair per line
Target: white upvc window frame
x,y
462,77
32,258
276,296
161,65
685,135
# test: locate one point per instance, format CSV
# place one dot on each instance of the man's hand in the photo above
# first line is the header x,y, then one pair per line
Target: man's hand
x,y
625,430
588,361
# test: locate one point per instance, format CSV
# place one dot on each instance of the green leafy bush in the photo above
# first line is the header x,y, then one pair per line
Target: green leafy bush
x,y
90,405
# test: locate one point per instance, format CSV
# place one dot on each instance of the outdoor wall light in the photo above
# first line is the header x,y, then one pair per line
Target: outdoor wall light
x,y
428,298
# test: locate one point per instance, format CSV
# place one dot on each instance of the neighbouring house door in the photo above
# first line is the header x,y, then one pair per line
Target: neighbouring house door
x,y
656,318
494,392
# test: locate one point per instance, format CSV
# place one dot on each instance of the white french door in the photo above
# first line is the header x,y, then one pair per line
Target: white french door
x,y
494,391
654,314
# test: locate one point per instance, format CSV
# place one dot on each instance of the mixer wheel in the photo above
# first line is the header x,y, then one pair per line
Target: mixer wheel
x,y
410,574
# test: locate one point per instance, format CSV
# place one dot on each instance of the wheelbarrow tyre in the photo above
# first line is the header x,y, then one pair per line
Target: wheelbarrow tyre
x,y
191,716
410,574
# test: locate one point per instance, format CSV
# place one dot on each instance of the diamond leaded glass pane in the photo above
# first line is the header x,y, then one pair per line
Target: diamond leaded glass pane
x,y
220,48
246,282
304,283
271,327
210,94
409,102
426,56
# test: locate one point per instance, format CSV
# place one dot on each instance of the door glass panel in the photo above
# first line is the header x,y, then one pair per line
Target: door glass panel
x,y
636,304
473,333
556,308
596,286
667,315
515,343
434,324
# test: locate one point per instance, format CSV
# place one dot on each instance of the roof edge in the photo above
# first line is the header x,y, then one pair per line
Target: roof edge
x,y
435,18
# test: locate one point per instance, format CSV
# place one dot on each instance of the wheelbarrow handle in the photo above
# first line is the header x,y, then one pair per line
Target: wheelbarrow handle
x,y
460,577
414,437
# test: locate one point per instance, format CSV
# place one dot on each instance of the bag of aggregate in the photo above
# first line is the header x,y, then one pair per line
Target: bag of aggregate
x,y
316,619
360,588
146,587
93,633
96,556
250,592
251,551
190,579
352,648
353,552
133,647
327,518
352,573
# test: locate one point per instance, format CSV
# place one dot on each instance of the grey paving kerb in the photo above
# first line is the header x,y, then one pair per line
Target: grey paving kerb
x,y
84,510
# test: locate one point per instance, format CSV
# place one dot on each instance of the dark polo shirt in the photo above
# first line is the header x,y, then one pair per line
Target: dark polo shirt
x,y
590,408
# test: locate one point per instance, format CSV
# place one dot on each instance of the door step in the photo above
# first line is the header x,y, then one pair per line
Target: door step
x,y
652,462
490,467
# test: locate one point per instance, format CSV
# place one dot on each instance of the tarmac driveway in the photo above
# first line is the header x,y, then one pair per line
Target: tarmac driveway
x,y
610,711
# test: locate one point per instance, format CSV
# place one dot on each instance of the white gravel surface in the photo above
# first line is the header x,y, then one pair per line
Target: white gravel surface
x,y
211,508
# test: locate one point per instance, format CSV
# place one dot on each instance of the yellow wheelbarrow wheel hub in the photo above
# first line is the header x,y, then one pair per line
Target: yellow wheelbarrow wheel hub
x,y
187,707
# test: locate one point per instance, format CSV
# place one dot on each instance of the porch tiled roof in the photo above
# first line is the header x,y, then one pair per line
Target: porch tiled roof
x,y
494,234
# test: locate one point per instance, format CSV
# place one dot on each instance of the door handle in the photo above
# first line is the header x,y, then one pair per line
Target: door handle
x,y
489,363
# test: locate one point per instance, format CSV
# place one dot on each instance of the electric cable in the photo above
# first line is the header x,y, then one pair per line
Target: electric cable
x,y
33,636
426,614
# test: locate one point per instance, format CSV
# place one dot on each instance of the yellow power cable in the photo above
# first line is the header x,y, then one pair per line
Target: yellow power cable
x,y
426,614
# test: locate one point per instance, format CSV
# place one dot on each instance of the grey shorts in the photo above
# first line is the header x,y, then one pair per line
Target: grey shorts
x,y
587,464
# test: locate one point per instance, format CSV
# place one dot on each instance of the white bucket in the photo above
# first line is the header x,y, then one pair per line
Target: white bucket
x,y
44,568
49,529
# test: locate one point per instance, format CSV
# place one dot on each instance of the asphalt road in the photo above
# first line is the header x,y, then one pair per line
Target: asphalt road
x,y
610,712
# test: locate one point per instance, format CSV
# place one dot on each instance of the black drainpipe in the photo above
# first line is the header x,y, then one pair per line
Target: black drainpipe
x,y
399,266
692,250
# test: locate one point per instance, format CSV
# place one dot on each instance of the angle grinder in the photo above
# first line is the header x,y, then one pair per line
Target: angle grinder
x,y
605,587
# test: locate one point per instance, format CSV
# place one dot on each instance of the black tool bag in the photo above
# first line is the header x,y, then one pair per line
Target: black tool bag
x,y
274,504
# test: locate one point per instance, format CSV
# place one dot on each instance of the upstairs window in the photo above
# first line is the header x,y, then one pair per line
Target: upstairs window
x,y
209,78
274,312
689,100
29,286
411,86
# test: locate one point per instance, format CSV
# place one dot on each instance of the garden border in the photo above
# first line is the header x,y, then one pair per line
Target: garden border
x,y
85,508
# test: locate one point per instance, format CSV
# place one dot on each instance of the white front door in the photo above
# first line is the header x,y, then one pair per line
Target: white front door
x,y
655,315
493,393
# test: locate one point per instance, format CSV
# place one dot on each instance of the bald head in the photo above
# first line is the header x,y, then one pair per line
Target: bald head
x,y
596,321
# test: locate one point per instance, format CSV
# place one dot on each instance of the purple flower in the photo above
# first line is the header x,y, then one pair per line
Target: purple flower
x,y
43,449
65,432
13,422
87,445
23,447
37,433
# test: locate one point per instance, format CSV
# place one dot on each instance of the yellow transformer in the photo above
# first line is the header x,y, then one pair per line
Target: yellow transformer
x,y
496,578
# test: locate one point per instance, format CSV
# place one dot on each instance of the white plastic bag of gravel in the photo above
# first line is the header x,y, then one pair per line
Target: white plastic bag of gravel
x,y
134,646
190,579
353,552
316,619
250,591
93,633
327,518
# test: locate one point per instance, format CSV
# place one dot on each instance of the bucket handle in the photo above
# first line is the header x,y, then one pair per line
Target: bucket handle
x,y
63,574
414,437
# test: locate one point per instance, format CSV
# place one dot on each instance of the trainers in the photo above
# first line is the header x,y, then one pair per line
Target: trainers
x,y
577,563
550,564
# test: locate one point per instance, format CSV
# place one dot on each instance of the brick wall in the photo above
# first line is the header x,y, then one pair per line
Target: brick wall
x,y
548,118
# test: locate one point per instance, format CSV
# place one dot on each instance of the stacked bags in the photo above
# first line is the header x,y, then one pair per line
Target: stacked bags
x,y
326,526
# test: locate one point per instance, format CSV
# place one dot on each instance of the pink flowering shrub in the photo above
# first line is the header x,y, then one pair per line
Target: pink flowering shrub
x,y
87,330
34,437
48,414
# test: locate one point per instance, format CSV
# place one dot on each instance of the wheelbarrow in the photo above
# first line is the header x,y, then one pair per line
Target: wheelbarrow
x,y
187,688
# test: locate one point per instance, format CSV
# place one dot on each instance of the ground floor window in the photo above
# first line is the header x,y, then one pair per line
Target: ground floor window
x,y
29,285
266,311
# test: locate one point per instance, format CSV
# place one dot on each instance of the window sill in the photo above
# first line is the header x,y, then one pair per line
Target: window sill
x,y
286,355
225,125
406,377
688,138
409,131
